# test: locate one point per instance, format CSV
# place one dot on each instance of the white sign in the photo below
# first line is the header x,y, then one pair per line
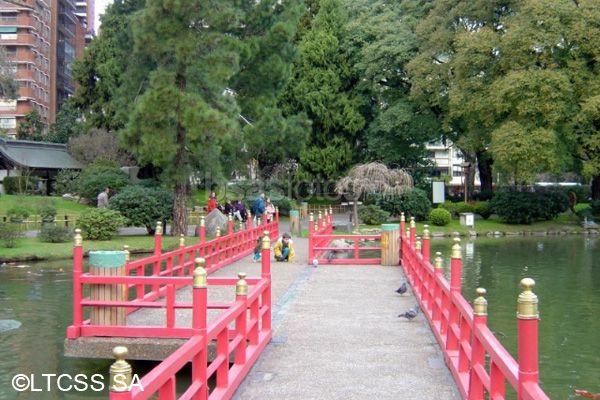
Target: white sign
x,y
439,192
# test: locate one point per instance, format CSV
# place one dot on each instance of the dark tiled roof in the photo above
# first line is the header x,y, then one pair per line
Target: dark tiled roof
x,y
43,155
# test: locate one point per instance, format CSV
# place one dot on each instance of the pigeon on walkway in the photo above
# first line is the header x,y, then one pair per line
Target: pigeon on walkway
x,y
410,314
315,262
402,289
330,256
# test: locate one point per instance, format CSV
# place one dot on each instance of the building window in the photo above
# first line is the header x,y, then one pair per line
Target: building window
x,y
8,123
8,105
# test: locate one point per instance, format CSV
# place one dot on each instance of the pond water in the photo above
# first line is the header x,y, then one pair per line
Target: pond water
x,y
566,270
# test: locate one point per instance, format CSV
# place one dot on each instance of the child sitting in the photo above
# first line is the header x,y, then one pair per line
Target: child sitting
x,y
284,249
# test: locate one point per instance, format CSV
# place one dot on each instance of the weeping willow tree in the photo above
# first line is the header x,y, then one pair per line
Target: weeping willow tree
x,y
373,177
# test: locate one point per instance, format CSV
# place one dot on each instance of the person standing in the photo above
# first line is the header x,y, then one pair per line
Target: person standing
x,y
258,208
103,198
269,210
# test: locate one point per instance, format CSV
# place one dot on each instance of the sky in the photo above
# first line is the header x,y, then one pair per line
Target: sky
x,y
100,5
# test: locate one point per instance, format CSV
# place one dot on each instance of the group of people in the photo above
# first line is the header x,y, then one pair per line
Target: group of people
x,y
260,208
282,251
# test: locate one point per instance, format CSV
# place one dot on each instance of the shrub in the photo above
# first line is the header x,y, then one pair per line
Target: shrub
x,y
55,234
10,233
65,182
47,208
585,215
100,223
595,207
20,184
18,211
526,208
450,207
143,206
98,175
372,215
483,208
414,203
440,217
283,203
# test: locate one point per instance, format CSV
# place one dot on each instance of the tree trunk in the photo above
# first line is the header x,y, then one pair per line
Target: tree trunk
x,y
596,188
355,211
179,226
484,164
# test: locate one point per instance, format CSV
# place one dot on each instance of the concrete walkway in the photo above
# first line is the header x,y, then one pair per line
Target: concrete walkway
x,y
337,336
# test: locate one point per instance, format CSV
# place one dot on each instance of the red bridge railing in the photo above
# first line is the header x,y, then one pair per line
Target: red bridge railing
x,y
160,276
320,236
237,348
479,364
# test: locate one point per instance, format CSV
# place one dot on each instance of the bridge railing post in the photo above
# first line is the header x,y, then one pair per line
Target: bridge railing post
x,y
266,274
437,302
413,230
426,244
121,375
157,251
74,331
455,278
311,241
528,316
476,388
402,241
199,318
418,268
241,293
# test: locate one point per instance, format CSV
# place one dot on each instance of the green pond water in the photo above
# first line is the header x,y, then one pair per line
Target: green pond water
x,y
566,270
567,284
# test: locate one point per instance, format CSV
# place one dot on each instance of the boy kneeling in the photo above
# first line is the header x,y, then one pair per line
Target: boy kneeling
x,y
284,249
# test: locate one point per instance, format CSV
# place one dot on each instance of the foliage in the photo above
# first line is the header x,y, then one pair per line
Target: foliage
x,y
372,215
47,209
50,233
98,143
525,208
143,206
98,175
456,208
100,223
413,203
32,127
440,217
18,211
10,233
283,203
20,184
68,124
9,87
65,182
595,207
483,209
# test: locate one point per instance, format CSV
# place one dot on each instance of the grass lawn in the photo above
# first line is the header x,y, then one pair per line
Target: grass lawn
x,y
32,203
34,249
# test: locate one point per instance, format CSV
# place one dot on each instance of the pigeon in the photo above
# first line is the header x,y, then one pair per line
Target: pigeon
x,y
315,262
410,313
330,256
402,289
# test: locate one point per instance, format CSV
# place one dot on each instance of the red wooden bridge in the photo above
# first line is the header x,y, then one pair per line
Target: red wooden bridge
x,y
481,367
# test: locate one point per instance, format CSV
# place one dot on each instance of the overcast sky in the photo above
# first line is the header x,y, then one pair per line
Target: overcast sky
x,y
99,9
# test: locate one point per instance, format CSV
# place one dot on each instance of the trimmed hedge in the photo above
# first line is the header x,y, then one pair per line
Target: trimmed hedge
x,y
100,223
525,208
372,215
20,184
414,203
143,206
440,217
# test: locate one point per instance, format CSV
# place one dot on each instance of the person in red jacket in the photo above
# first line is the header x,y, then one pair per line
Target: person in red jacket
x,y
212,203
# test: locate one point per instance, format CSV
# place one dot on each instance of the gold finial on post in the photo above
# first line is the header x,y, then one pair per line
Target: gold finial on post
x,y
320,214
182,240
412,222
241,287
402,218
407,233
200,281
218,232
266,241
456,248
527,307
241,225
78,239
120,369
418,244
311,217
159,228
276,209
438,260
425,231
258,221
126,250
330,210
230,217
480,303
202,222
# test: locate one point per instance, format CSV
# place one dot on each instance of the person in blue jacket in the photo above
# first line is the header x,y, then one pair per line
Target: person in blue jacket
x,y
258,208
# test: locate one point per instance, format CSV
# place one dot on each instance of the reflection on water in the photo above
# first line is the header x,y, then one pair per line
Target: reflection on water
x,y
568,290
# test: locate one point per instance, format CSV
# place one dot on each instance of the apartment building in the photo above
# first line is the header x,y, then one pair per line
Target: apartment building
x,y
449,162
41,39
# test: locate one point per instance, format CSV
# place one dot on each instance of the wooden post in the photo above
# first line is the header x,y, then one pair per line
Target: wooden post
x,y
107,263
294,221
303,209
390,244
